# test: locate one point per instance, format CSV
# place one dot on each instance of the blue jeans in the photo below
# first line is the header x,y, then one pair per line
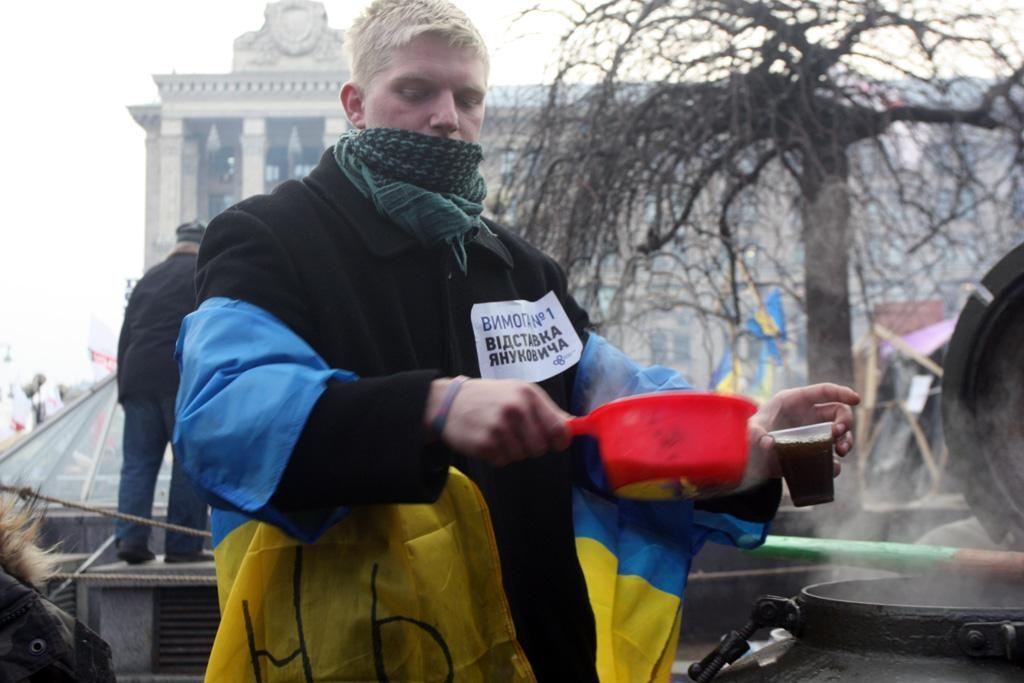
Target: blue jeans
x,y
148,424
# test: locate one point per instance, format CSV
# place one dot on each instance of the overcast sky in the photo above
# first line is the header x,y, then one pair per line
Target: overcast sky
x,y
73,167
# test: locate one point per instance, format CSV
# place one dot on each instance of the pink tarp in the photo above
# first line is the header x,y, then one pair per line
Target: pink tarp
x,y
925,340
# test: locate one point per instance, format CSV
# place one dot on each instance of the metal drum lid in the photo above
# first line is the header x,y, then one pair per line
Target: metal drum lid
x,y
983,400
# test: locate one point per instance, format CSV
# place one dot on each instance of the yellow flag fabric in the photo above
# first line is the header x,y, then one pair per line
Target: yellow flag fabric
x,y
392,592
637,624
768,326
414,593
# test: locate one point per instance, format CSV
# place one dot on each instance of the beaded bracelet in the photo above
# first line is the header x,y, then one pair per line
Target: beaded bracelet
x,y
437,424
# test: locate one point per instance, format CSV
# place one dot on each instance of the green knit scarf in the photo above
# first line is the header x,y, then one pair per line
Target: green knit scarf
x,y
429,186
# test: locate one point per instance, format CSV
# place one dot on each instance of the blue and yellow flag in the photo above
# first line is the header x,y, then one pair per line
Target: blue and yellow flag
x,y
636,554
726,377
405,592
768,325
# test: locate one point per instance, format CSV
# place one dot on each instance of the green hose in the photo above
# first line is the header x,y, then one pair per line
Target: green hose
x,y
874,554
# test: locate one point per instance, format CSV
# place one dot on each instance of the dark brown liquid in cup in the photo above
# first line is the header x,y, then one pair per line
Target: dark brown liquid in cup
x,y
807,467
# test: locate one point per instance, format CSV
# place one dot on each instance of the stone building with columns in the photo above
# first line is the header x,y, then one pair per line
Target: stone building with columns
x,y
214,139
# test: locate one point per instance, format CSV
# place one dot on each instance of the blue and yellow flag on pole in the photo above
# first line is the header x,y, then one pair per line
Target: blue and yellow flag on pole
x,y
726,377
768,325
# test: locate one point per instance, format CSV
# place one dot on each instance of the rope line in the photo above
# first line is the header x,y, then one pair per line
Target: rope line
x,y
159,579
27,493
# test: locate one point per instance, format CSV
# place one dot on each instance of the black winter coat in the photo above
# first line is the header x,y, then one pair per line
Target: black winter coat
x,y
370,299
41,643
145,349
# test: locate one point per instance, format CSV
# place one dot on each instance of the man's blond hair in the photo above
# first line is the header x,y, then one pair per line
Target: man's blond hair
x,y
387,25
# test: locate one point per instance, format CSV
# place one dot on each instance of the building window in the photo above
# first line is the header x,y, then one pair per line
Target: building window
x,y
680,348
276,165
222,165
659,348
958,203
650,209
218,202
1017,196
605,298
508,162
305,161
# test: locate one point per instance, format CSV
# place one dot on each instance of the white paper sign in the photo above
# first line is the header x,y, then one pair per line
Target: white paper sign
x,y
527,340
920,385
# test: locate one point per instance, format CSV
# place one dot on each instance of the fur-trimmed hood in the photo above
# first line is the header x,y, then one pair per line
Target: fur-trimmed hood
x,y
20,554
38,640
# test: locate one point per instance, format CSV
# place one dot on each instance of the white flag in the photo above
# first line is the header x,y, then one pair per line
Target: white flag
x,y
50,396
21,410
102,349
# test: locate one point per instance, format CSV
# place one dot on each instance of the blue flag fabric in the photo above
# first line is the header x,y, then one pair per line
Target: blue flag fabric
x,y
248,384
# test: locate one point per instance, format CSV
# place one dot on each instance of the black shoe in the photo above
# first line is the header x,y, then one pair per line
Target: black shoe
x,y
135,554
174,558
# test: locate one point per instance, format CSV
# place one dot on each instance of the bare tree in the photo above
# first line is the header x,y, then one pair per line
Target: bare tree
x,y
670,126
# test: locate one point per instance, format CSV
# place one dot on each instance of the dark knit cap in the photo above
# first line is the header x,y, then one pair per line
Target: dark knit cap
x,y
191,232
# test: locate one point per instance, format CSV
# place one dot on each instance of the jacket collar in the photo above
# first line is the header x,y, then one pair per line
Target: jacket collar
x,y
12,591
381,237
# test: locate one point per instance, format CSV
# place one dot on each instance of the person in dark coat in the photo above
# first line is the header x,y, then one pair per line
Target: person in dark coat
x,y
147,381
38,640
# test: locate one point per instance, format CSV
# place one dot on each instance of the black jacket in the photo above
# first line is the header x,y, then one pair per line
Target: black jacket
x,y
369,299
40,642
145,349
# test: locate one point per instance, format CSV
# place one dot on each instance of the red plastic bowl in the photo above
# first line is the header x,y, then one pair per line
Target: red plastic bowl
x,y
674,444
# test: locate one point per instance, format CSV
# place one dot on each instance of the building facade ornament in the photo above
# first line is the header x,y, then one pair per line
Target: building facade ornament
x,y
213,139
295,37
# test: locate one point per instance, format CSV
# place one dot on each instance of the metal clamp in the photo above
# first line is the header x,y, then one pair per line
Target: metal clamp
x,y
769,611
1000,639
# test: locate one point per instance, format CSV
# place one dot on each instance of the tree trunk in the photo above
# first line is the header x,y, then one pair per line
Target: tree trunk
x,y
826,237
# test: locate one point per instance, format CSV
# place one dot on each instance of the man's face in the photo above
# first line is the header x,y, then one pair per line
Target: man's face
x,y
428,87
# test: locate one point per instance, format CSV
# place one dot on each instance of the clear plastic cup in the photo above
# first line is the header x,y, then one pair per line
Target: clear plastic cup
x,y
805,455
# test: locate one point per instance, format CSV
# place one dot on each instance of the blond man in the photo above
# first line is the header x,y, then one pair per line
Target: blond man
x,y
374,395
